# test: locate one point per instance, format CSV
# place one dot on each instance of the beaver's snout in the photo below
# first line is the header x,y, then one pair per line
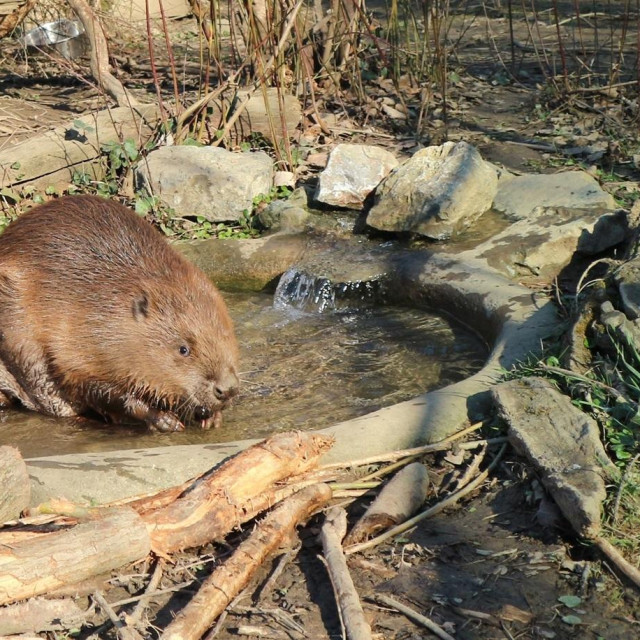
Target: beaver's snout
x,y
226,387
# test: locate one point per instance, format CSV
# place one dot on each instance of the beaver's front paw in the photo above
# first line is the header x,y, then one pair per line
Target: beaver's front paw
x,y
165,422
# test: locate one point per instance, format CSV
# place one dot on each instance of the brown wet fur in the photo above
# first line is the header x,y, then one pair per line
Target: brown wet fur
x,y
95,308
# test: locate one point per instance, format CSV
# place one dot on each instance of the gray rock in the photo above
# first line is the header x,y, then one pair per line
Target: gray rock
x,y
537,247
627,278
352,173
206,181
288,215
518,196
437,192
562,443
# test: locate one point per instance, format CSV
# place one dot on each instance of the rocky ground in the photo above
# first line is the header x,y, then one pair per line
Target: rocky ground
x,y
501,564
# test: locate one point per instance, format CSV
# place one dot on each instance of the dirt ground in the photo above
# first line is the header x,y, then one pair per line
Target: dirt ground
x,y
503,554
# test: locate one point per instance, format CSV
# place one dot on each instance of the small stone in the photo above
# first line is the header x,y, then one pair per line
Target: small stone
x,y
284,179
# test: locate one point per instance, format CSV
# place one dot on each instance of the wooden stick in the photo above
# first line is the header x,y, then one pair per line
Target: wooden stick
x,y
399,499
237,491
44,563
402,453
436,629
351,613
626,568
440,506
219,589
100,54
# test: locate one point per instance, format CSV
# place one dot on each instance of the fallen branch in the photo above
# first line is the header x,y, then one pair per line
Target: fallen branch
x,y
100,55
237,491
39,614
228,579
351,613
437,508
398,500
612,554
41,564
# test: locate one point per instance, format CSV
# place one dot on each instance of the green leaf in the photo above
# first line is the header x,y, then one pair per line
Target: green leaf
x,y
16,166
130,149
142,207
570,601
571,620
9,194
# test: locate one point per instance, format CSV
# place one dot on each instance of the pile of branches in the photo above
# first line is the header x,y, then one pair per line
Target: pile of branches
x,y
60,548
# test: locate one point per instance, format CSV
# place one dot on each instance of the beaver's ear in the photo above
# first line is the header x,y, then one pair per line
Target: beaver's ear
x,y
140,306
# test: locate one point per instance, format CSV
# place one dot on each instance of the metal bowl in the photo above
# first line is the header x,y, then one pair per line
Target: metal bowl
x,y
64,36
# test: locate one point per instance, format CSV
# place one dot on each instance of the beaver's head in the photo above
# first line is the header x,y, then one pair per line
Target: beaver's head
x,y
187,354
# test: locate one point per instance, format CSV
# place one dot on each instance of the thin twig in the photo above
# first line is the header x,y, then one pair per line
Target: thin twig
x,y
402,453
436,629
623,482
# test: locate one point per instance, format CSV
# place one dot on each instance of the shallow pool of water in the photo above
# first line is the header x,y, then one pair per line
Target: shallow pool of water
x,y
298,370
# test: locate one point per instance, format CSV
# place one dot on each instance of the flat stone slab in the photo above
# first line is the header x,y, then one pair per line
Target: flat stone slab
x,y
435,193
352,173
562,443
519,195
539,245
206,181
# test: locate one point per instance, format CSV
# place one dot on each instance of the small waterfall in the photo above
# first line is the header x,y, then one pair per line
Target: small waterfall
x,y
318,294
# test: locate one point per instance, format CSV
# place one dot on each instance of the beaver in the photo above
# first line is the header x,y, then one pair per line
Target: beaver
x,y
98,314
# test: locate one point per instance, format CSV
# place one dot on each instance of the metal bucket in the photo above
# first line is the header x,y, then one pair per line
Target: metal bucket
x,y
64,36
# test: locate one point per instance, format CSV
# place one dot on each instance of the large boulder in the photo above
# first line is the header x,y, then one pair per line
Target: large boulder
x,y
352,173
435,193
206,181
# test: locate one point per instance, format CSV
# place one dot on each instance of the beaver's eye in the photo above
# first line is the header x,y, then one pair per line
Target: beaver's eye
x,y
184,350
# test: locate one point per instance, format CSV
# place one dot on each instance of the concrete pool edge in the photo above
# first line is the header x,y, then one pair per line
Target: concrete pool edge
x,y
505,313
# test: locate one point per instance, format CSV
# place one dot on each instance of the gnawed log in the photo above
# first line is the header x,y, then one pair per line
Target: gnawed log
x,y
40,614
43,563
51,159
15,487
226,581
398,501
237,491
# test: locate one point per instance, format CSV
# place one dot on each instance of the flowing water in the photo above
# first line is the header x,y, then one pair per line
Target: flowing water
x,y
301,369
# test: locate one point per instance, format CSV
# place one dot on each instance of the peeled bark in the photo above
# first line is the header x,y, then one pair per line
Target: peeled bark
x,y
15,488
41,564
226,581
226,497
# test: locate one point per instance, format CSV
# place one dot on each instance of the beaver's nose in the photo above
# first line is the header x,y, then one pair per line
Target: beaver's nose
x,y
226,386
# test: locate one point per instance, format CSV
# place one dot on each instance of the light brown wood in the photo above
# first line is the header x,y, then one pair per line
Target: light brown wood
x,y
100,54
352,615
51,159
226,497
12,14
39,614
227,580
39,565
399,499
15,487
